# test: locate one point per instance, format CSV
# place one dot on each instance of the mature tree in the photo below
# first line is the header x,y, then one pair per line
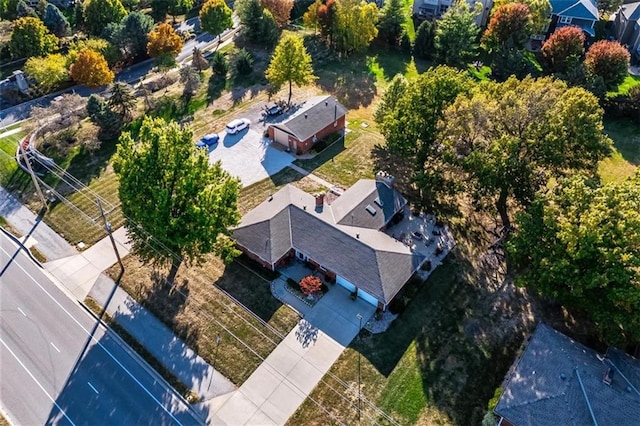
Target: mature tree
x,y
91,69
8,9
30,37
177,206
23,10
190,77
580,245
164,44
540,12
390,98
122,100
354,25
64,112
78,16
48,71
159,9
258,23
423,46
99,13
132,35
409,122
508,61
327,18
280,9
178,7
310,17
563,49
456,35
511,138
310,285
607,7
199,62
290,63
215,17
219,64
107,120
110,52
510,25
609,60
56,21
392,19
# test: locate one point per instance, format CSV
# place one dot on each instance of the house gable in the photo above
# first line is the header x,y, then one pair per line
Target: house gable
x,y
315,115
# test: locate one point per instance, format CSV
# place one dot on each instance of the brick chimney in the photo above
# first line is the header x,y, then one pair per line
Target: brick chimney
x,y
319,201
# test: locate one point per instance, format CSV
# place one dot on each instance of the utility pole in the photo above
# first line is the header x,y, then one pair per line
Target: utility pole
x,y
107,227
33,176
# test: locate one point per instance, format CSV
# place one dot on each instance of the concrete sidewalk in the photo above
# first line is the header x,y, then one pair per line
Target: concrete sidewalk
x,y
79,273
288,375
192,370
33,230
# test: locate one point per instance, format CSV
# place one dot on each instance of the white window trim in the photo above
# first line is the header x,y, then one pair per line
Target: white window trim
x,y
565,19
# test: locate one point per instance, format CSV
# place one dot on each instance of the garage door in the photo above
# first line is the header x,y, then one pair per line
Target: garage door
x,y
344,283
281,137
367,297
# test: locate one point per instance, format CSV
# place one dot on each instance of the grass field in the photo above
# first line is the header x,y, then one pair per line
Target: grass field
x,y
625,158
8,166
198,310
624,87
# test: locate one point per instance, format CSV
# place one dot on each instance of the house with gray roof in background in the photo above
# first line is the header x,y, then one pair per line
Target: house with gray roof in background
x,y
627,27
317,118
558,381
352,236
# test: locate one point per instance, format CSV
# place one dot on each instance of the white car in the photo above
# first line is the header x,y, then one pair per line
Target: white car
x,y
237,125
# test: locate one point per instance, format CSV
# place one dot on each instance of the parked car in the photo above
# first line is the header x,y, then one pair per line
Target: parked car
x,y
237,125
208,140
271,110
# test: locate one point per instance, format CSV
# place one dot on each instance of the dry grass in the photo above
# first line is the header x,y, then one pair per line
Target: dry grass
x,y
198,310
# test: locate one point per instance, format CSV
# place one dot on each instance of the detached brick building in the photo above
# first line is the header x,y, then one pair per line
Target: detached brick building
x,y
318,117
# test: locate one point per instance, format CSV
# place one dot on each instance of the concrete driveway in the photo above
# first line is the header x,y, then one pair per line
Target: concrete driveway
x,y
248,155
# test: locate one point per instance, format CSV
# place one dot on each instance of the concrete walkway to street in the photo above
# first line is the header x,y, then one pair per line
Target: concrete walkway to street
x,y
33,231
288,375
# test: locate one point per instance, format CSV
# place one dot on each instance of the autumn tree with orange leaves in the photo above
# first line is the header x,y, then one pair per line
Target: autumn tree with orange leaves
x,y
91,69
310,285
280,9
164,43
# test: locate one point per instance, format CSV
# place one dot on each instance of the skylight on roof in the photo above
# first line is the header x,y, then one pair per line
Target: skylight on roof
x,y
370,209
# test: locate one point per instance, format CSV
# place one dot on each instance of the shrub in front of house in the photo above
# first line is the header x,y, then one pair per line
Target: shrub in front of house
x,y
310,285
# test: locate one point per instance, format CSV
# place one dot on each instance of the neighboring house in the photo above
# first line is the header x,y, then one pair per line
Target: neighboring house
x,y
341,237
579,13
558,381
627,26
318,117
434,9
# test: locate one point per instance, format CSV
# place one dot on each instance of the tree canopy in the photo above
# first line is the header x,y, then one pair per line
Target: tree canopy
x,y
163,41
56,21
30,37
510,138
609,60
91,69
99,13
390,25
354,25
132,34
215,17
580,245
456,36
122,100
48,71
280,9
563,49
540,12
259,25
177,206
290,64
510,25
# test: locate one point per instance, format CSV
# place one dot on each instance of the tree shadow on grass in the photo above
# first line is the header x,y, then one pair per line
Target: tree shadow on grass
x,y
215,87
349,80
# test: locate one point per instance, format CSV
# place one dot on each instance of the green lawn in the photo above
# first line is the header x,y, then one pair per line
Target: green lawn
x,y
8,167
625,158
624,87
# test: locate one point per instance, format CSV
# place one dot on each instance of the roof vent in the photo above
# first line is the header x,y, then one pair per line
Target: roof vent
x,y
304,207
358,236
563,376
270,197
326,102
378,201
305,115
370,209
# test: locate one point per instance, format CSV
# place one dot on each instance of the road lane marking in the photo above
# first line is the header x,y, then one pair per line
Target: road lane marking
x,y
21,311
36,380
94,389
99,344
54,347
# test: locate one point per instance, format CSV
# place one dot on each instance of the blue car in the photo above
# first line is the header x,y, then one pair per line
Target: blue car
x,y
208,140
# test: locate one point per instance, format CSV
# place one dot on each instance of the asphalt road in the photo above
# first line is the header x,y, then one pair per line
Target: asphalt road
x,y
58,367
